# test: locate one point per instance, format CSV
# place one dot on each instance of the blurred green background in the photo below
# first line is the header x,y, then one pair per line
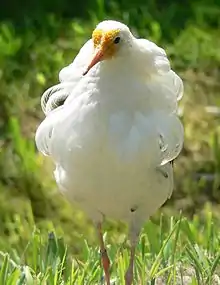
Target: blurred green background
x,y
37,39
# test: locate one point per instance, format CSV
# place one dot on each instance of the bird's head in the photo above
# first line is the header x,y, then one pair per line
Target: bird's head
x,y
109,38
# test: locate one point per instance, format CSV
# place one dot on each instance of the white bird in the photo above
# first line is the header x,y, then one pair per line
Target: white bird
x,y
112,130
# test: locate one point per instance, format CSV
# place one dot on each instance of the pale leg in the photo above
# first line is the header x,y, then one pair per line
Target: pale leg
x,y
134,232
104,256
130,271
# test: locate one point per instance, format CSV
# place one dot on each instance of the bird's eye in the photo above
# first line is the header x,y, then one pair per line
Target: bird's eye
x,y
117,40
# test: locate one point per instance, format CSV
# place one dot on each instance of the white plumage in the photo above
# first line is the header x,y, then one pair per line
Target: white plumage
x,y
115,135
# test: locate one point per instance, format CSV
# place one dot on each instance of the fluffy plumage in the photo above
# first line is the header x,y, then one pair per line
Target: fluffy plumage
x,y
113,138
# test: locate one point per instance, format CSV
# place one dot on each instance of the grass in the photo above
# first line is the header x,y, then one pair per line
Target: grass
x,y
174,251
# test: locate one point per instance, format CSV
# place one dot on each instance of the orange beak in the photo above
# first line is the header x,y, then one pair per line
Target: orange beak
x,y
104,47
99,56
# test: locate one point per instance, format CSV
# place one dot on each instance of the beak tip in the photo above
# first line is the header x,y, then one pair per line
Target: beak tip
x,y
96,58
85,72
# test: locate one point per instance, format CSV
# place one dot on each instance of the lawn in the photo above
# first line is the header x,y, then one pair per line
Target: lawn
x,y
174,251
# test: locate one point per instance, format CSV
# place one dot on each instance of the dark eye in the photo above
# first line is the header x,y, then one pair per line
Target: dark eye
x,y
117,40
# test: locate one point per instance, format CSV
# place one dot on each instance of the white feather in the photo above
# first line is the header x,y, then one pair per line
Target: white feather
x,y
117,127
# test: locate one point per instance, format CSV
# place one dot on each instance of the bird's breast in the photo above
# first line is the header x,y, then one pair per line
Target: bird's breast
x,y
106,152
108,129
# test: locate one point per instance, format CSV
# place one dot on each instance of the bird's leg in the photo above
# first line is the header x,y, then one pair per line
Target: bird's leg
x,y
130,271
134,232
104,256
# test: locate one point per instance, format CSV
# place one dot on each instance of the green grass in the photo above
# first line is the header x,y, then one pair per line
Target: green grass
x,y
169,252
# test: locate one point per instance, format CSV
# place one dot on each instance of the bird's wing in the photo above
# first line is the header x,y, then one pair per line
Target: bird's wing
x,y
53,98
163,84
45,130
69,77
170,135
164,89
153,58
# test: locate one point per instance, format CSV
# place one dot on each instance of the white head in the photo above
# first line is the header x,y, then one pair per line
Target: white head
x,y
110,39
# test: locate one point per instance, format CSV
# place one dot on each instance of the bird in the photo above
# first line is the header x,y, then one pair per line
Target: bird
x,y
111,128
